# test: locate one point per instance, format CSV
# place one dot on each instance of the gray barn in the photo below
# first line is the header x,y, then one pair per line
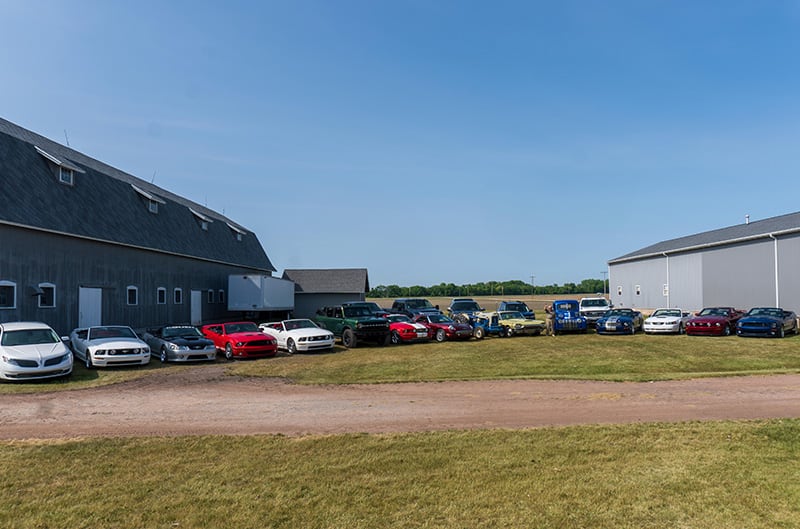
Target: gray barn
x,y
83,243
318,288
747,265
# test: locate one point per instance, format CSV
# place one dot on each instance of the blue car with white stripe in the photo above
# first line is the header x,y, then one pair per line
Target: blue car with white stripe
x,y
620,321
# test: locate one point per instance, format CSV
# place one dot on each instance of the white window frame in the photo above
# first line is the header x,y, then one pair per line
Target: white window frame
x,y
152,206
159,292
128,290
66,175
13,285
43,286
177,296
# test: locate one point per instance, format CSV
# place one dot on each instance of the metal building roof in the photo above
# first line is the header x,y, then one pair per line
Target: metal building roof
x,y
740,233
109,205
329,281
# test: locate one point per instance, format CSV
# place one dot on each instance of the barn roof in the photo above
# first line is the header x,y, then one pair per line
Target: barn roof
x,y
329,281
109,205
740,233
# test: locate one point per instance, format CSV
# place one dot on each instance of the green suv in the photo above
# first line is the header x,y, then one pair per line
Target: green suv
x,y
353,324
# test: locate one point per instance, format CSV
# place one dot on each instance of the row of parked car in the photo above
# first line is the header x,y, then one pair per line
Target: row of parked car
x,y
33,350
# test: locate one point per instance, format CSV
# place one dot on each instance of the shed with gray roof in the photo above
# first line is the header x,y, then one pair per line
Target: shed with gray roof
x,y
746,265
85,243
325,287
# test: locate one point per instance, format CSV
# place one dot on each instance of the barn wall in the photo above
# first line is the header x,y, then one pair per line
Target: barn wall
x,y
30,257
741,275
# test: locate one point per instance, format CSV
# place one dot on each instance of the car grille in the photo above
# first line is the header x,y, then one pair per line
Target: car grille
x,y
54,361
570,325
318,338
27,363
197,347
123,351
258,343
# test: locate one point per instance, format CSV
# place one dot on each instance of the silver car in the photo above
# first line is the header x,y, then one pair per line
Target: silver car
x,y
179,343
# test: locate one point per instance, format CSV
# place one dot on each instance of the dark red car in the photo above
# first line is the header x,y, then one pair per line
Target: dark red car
x,y
403,330
441,327
241,339
714,321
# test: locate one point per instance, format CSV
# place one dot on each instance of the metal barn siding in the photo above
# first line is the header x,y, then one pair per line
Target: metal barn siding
x,y
663,281
31,257
741,275
685,281
789,272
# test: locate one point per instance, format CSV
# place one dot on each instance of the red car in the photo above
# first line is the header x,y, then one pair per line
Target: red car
x,y
441,327
241,339
714,321
403,330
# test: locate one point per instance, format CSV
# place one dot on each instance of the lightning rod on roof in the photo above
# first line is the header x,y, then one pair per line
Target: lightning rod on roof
x,y
66,137
154,176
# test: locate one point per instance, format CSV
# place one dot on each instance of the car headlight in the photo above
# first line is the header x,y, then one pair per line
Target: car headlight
x,y
176,347
451,327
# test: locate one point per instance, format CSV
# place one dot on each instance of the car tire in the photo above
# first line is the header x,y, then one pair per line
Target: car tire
x,y
479,333
349,339
681,329
88,360
440,335
727,331
163,355
291,348
509,332
461,318
228,352
781,333
395,338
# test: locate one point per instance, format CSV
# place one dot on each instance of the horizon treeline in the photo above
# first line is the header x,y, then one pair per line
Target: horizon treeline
x,y
491,288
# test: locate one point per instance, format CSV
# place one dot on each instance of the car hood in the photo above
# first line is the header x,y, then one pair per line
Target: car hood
x,y
615,319
760,319
116,343
249,336
190,341
306,332
522,321
665,319
709,319
35,351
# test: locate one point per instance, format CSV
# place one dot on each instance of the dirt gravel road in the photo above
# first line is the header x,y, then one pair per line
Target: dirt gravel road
x,y
203,400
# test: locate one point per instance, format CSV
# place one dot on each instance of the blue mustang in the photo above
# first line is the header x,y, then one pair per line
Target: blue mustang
x,y
767,321
620,321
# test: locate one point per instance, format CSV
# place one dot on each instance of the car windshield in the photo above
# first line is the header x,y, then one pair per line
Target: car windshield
x,y
299,324
594,303
676,313
418,304
713,312
231,328
394,318
775,313
29,337
439,318
511,316
519,307
356,312
619,312
465,305
111,332
181,332
566,305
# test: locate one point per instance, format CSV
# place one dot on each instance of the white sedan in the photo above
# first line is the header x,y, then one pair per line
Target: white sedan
x,y
666,321
109,345
299,335
32,350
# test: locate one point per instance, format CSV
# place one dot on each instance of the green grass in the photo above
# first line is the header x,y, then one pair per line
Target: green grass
x,y
589,356
699,475
82,378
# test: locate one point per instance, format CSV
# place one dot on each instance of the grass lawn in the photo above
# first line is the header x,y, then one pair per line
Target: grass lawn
x,y
699,475
579,356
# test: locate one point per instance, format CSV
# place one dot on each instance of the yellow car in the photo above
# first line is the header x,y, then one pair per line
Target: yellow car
x,y
515,323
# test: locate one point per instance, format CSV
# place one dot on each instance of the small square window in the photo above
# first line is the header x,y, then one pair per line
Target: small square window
x,y
8,295
177,296
238,236
152,206
204,225
66,176
133,296
161,296
47,295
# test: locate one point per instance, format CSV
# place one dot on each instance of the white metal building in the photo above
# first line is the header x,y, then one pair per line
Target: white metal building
x,y
743,266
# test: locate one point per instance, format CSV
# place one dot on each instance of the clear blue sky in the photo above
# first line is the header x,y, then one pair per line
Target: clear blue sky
x,y
429,141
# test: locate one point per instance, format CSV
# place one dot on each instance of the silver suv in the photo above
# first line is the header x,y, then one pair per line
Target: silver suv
x,y
594,308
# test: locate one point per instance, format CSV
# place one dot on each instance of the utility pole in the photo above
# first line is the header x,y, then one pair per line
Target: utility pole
x,y
605,275
533,285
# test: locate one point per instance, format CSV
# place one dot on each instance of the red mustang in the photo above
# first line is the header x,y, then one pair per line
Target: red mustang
x,y
441,327
241,339
403,330
714,321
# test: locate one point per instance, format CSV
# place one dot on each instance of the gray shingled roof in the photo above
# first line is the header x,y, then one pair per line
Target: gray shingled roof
x,y
103,205
781,225
329,281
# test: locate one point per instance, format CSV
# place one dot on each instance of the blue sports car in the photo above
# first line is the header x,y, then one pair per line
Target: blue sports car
x,y
620,321
767,321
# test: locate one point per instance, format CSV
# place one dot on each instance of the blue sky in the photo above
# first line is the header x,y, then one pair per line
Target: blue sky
x,y
429,141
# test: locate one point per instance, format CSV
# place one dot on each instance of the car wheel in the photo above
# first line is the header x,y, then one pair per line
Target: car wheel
x,y
395,338
88,360
509,332
478,333
290,346
461,318
228,352
781,333
681,329
440,335
349,339
727,331
163,355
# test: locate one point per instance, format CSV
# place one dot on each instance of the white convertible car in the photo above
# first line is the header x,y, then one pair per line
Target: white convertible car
x,y
666,321
32,350
298,335
109,345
